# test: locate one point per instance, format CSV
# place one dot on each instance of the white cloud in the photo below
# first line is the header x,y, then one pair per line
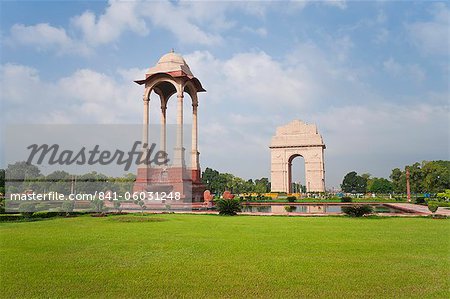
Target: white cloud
x,y
382,36
190,22
177,19
85,96
342,4
43,35
433,36
251,78
106,28
261,31
12,77
46,37
409,71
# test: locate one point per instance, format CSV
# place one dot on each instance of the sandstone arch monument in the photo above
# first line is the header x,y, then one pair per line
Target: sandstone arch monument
x,y
172,76
292,140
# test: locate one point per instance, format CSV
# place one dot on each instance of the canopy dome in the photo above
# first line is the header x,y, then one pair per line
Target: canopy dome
x,y
172,57
169,63
173,65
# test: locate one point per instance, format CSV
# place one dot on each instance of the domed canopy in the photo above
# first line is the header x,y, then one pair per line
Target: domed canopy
x,y
170,63
173,65
172,57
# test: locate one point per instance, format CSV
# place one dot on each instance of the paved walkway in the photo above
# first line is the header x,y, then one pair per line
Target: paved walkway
x,y
413,208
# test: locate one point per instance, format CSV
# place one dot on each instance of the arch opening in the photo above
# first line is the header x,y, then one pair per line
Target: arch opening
x,y
296,174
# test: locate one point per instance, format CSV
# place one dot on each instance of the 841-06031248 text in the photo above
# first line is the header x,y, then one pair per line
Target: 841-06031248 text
x,y
111,196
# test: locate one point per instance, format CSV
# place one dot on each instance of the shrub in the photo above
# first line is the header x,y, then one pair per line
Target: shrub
x,y
228,207
141,205
27,209
289,208
97,205
432,206
2,205
439,203
10,217
68,206
291,198
420,200
117,206
346,199
444,195
45,214
42,207
357,210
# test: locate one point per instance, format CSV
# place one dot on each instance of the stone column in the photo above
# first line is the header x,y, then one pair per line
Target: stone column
x,y
163,128
195,163
195,173
145,126
142,171
179,150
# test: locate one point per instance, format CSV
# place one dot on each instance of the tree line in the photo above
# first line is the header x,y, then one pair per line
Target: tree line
x,y
425,177
22,176
217,183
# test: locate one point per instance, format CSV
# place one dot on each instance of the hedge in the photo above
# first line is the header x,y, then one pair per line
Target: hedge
x,y
10,217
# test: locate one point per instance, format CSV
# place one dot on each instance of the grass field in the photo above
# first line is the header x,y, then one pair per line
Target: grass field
x,y
201,256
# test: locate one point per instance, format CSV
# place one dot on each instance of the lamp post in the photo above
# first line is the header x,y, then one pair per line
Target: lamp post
x,y
408,189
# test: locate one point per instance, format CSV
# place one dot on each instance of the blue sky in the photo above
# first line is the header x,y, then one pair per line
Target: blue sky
x,y
373,76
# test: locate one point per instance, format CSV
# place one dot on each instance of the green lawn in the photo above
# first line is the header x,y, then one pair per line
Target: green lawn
x,y
200,256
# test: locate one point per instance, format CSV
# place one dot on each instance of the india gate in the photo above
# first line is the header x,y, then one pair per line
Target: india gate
x,y
290,141
171,76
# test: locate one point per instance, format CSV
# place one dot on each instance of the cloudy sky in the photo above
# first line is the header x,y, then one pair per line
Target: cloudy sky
x,y
373,76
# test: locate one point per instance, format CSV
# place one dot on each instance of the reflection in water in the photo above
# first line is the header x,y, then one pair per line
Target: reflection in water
x,y
313,209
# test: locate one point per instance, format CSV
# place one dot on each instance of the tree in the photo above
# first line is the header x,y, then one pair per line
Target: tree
x,y
59,181
428,176
123,184
398,178
19,173
262,185
218,182
210,178
380,185
436,176
353,183
415,177
93,182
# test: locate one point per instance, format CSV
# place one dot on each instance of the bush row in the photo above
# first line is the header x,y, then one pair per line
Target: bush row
x,y
10,217
439,203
